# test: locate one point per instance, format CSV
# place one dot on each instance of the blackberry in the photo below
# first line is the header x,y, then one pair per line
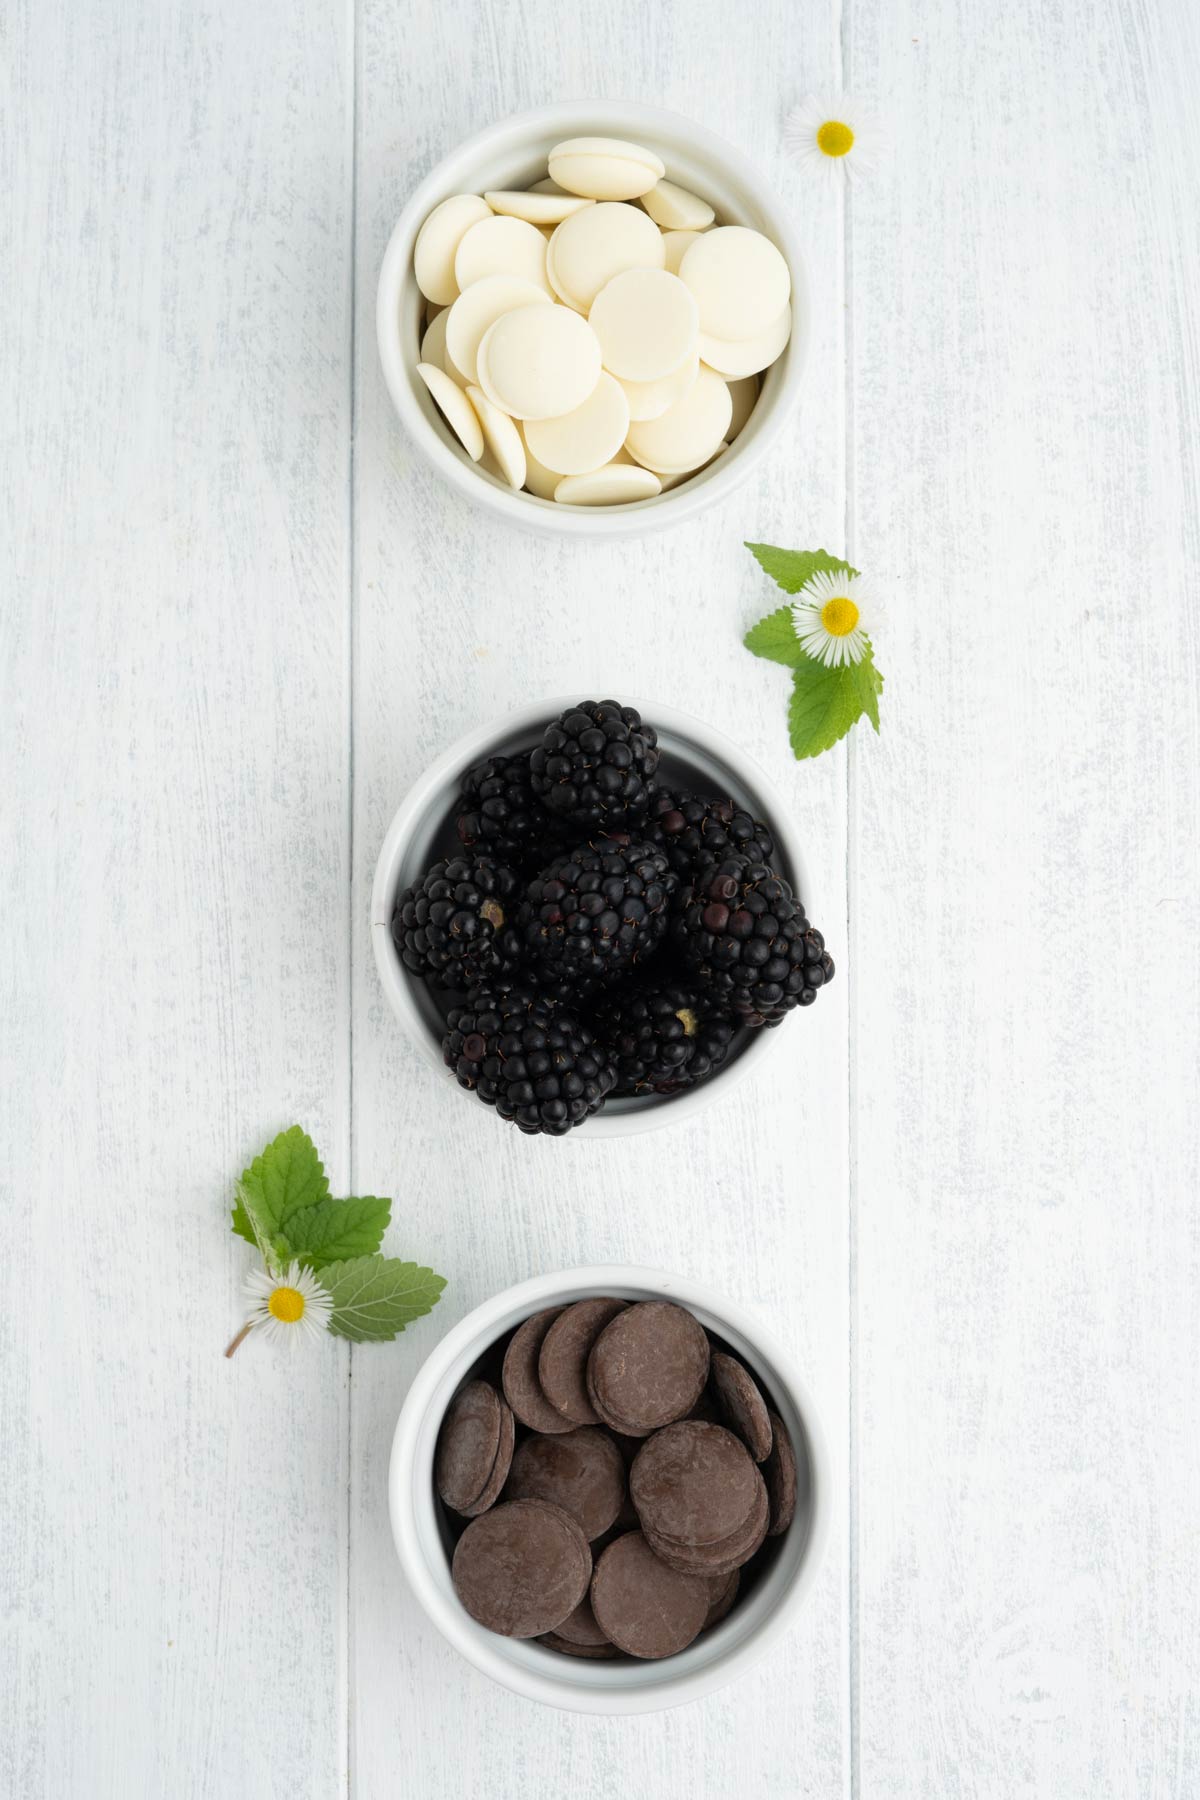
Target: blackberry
x,y
456,925
596,911
529,1057
662,1035
694,831
743,931
500,815
595,764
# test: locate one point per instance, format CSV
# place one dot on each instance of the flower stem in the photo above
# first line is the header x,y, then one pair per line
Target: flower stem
x,y
243,1333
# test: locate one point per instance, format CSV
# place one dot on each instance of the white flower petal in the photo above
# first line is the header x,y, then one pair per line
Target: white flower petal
x,y
822,587
317,1308
805,120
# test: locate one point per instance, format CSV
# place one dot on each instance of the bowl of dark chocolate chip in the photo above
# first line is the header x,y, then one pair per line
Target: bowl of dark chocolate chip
x,y
610,1490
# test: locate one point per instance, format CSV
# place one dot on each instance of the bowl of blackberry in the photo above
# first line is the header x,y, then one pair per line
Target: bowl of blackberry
x,y
591,916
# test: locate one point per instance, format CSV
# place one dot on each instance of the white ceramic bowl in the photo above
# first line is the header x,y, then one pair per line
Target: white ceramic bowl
x,y
423,1539
694,756
513,154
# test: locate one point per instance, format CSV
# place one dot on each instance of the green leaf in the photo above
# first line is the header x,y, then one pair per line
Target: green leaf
x,y
870,683
241,1221
337,1230
825,703
285,1179
775,638
791,569
374,1297
250,1222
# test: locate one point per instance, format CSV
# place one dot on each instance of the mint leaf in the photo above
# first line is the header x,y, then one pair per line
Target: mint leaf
x,y
825,703
336,1230
775,638
791,569
241,1221
374,1297
251,1222
870,686
285,1179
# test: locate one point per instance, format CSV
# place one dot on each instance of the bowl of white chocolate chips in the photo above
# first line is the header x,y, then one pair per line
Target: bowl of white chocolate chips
x,y
592,318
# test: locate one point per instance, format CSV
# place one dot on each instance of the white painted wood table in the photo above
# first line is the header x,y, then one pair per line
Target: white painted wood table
x,y
240,616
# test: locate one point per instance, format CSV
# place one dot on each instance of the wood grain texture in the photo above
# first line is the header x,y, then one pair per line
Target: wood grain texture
x,y
963,1188
1024,855
174,724
458,619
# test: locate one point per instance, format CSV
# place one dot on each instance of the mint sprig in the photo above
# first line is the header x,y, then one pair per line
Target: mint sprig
x,y
283,1207
825,702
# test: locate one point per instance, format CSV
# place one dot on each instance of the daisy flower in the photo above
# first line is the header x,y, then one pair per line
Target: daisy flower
x,y
834,614
291,1305
841,136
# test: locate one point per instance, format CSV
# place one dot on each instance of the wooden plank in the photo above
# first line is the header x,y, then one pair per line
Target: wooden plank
x,y
175,963
458,619
1024,855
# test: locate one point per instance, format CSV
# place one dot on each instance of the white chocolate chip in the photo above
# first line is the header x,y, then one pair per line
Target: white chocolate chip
x,y
675,245
478,308
537,364
746,356
455,407
592,246
538,478
604,168
616,484
499,246
433,348
586,438
537,208
647,323
438,241
688,433
740,281
675,209
743,395
501,437
650,399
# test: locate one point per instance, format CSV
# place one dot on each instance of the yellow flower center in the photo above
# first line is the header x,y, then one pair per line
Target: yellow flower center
x,y
834,138
286,1304
839,616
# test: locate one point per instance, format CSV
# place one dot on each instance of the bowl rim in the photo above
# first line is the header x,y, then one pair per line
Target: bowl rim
x,y
411,1456
707,487
471,747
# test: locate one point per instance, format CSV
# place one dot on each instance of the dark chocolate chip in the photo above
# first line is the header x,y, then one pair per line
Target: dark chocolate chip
x,y
722,1558
724,1591
581,1470
741,1404
581,1626
648,1367
592,1652
779,1473
627,1519
706,1408
522,1388
562,1360
522,1568
467,1444
694,1483
646,1609
500,1468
